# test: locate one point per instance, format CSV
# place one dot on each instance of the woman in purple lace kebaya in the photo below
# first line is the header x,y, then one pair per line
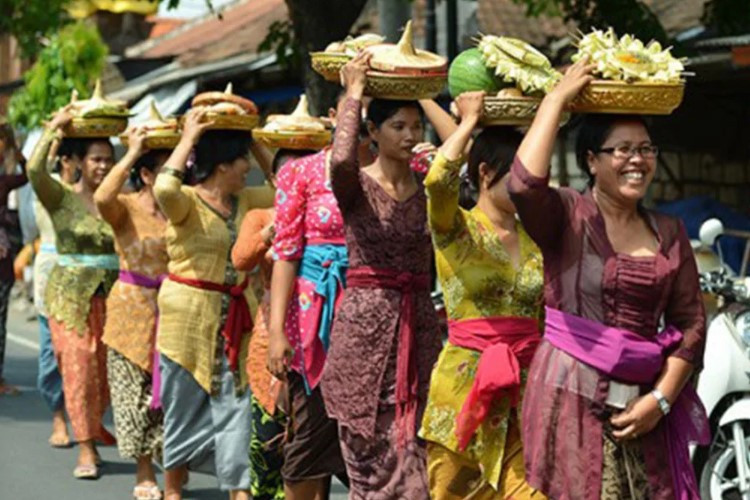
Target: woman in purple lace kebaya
x,y
608,410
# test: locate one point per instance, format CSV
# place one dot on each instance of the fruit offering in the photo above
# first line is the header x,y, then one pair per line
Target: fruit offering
x,y
517,62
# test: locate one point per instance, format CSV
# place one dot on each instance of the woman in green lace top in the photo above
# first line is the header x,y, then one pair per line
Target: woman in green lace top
x,y
78,285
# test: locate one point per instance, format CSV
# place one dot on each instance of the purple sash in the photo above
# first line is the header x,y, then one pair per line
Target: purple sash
x,y
634,359
154,284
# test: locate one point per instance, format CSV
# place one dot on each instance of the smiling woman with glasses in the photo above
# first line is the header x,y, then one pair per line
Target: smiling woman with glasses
x,y
606,375
626,151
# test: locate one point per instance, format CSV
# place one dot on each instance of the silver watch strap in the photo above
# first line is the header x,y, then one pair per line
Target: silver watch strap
x,y
664,405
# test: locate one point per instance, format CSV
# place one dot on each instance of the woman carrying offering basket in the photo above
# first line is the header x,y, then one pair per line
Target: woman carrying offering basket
x,y
129,332
491,275
385,337
86,266
206,306
608,410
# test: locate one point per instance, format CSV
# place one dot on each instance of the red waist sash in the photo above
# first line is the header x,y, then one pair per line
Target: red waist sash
x,y
407,380
507,344
238,320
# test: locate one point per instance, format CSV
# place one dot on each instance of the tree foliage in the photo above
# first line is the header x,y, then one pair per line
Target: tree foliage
x,y
721,17
625,16
73,60
30,20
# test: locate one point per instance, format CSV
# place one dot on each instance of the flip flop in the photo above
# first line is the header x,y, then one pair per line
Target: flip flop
x,y
151,492
88,471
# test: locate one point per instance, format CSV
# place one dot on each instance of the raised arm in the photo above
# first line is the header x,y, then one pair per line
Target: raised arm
x,y
49,191
168,187
344,165
536,148
106,196
439,118
540,207
443,182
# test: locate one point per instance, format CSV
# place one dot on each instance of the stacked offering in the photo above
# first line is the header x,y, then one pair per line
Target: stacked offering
x,y
514,75
400,71
160,133
97,117
329,62
635,78
228,111
299,130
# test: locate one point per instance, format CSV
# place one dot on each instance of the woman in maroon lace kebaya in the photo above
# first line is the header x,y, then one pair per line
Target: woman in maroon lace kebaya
x,y
385,337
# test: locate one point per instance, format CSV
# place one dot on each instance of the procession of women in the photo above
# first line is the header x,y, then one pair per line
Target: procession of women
x,y
282,335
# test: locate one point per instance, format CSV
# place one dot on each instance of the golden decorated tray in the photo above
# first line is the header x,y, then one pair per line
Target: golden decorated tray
x,y
404,87
230,122
329,64
509,110
156,141
293,139
609,96
96,127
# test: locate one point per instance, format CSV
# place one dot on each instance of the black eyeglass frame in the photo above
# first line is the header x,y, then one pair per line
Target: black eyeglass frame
x,y
653,152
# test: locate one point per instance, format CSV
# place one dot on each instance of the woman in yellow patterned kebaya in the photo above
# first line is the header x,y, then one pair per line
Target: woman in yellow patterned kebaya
x,y
491,275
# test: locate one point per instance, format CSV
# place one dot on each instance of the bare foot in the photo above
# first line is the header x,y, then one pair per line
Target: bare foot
x,y
60,437
87,453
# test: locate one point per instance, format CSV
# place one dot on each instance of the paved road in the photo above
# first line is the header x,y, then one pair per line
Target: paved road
x,y
30,469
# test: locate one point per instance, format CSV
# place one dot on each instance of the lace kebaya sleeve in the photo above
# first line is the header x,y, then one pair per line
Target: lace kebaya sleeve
x,y
442,185
345,181
49,191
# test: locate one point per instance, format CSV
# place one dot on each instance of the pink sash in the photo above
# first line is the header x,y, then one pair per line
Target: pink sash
x,y
507,344
634,359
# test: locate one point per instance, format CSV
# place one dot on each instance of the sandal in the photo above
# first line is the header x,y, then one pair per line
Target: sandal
x,y
147,492
87,471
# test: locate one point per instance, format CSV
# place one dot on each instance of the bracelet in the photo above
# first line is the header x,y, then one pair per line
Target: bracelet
x,y
173,172
664,405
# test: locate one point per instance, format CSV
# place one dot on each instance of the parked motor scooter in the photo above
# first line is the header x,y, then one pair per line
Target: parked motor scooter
x,y
724,384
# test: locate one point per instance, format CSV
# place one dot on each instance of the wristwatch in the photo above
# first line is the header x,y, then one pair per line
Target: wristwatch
x,y
664,405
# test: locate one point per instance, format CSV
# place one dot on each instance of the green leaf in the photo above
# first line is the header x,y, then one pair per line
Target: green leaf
x,y
73,59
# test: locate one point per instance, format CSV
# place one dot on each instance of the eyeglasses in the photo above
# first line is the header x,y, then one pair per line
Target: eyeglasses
x,y
626,152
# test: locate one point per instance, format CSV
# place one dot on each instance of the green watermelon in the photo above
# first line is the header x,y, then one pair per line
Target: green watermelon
x,y
469,73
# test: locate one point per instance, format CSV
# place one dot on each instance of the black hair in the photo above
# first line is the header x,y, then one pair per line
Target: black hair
x,y
283,156
216,147
496,147
150,161
593,133
381,110
75,147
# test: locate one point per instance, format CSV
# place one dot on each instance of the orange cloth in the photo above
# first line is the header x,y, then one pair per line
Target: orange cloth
x,y
82,358
249,251
22,260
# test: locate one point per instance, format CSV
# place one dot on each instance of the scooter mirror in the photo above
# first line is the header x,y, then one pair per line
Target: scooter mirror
x,y
709,231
